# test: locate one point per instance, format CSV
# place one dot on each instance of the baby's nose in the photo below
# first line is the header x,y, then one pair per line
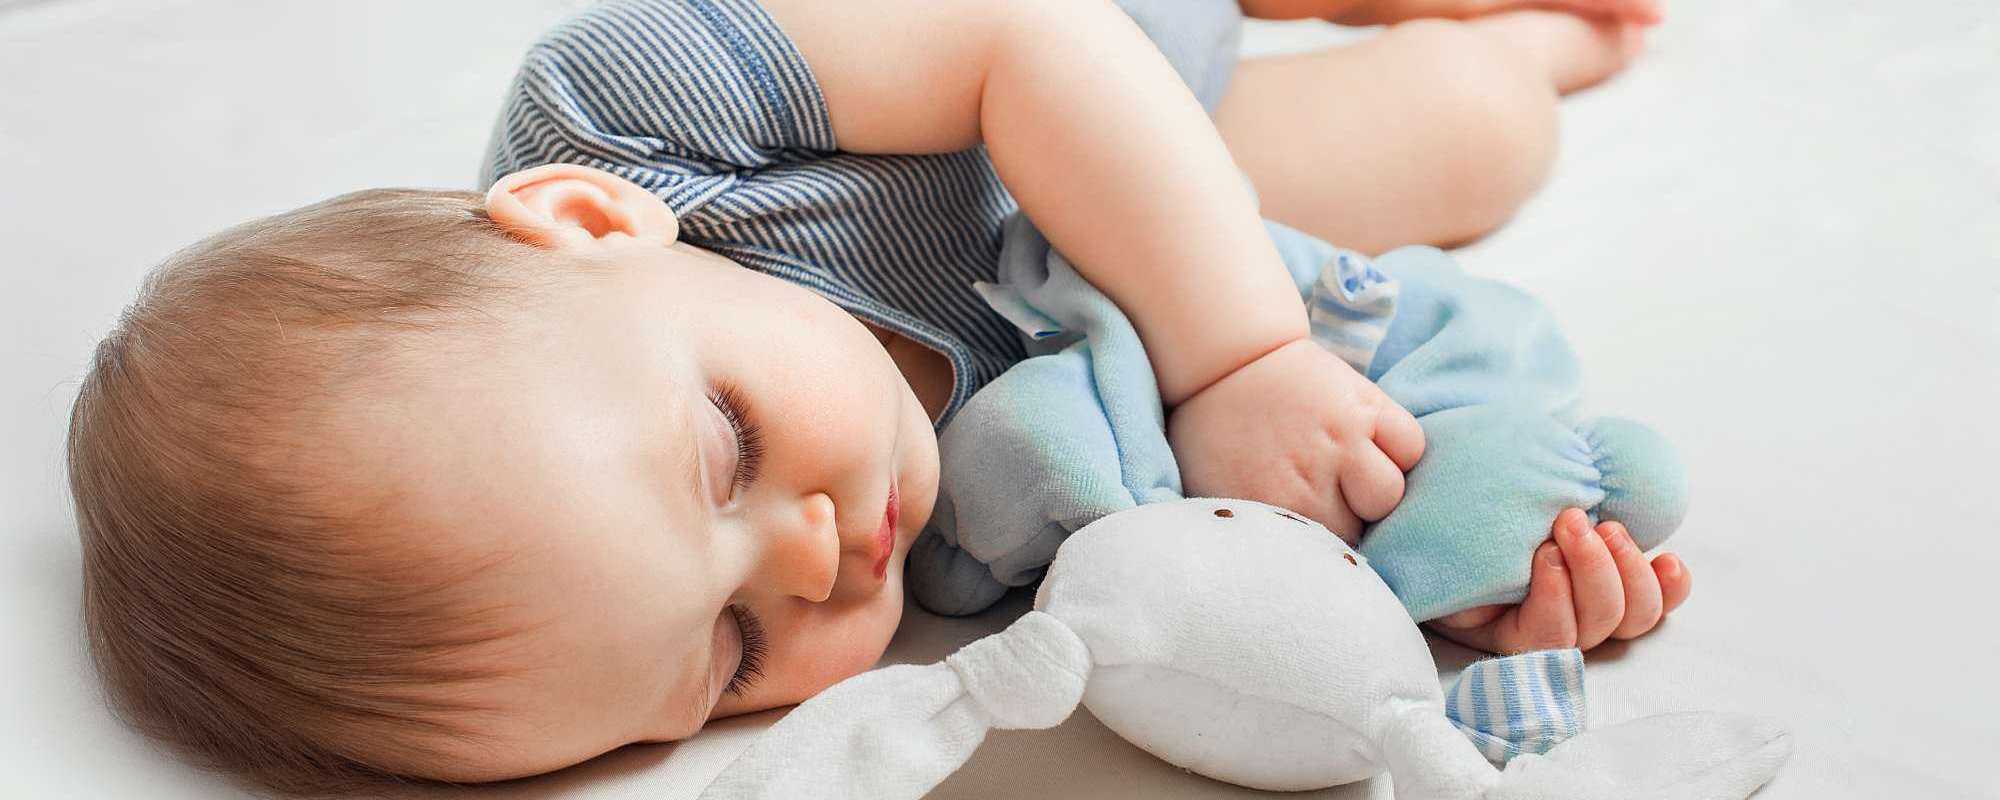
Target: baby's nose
x,y
802,556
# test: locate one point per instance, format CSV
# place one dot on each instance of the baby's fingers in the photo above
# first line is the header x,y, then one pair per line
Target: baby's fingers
x,y
1472,617
1600,594
1675,582
1330,509
1547,619
1371,484
1399,436
1643,604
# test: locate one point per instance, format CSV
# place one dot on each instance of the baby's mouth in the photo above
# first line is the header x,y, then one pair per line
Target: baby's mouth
x,y
885,539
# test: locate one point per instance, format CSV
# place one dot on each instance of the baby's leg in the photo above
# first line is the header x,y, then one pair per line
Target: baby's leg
x,y
1432,132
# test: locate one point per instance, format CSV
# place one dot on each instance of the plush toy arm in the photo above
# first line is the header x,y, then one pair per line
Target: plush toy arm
x,y
1428,759
1497,389
1523,703
898,731
1686,756
1492,480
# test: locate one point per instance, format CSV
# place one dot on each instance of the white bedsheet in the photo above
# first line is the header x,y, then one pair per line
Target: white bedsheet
x,y
1777,239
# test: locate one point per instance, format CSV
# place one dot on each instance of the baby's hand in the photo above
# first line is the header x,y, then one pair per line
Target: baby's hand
x,y
1299,429
1585,587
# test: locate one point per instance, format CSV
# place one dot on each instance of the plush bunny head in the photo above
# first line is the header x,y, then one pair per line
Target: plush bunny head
x,y
1239,640
1235,639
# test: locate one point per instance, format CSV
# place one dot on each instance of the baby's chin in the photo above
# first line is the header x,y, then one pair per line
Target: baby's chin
x,y
885,616
892,612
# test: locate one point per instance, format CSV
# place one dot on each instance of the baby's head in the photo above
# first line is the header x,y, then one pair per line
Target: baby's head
x,y
424,484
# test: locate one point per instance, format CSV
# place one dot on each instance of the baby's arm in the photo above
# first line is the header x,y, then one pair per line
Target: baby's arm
x,y
1095,136
1108,151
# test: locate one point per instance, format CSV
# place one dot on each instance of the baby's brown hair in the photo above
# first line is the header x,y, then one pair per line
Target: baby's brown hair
x,y
245,602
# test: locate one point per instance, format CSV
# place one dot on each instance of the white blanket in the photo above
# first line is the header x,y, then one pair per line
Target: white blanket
x,y
1777,238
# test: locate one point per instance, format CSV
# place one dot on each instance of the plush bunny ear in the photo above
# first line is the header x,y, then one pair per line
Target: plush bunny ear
x,y
1692,755
896,732
1684,756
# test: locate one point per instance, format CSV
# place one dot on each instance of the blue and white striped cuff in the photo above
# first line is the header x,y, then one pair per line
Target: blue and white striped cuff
x,y
1351,307
1524,703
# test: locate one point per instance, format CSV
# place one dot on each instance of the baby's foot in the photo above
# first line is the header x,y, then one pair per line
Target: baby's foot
x,y
1576,50
1640,12
1586,586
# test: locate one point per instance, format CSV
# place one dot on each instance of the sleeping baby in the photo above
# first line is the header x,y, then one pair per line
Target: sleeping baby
x,y
439,485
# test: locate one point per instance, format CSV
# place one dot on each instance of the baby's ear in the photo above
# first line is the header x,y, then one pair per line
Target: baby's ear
x,y
569,206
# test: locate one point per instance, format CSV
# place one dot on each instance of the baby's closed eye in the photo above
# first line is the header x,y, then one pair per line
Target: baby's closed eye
x,y
749,438
750,666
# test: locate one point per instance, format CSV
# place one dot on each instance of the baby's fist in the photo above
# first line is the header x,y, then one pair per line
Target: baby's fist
x,y
1587,585
1300,429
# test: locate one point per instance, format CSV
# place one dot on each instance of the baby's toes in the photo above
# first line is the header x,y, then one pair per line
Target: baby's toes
x,y
1647,12
1643,603
1642,12
1615,44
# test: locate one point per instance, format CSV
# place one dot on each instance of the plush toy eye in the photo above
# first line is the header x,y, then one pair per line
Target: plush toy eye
x,y
1225,513
1350,559
1291,517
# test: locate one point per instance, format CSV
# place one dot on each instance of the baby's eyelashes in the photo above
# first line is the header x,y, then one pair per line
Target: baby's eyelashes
x,y
749,437
753,647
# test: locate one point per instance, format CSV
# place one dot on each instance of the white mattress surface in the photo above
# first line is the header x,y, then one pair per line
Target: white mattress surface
x,y
1777,238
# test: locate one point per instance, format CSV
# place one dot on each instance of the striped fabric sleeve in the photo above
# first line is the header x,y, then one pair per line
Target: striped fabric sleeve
x,y
1351,307
1523,703
679,96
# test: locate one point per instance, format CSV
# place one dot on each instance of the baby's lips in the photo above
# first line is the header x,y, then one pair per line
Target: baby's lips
x,y
886,540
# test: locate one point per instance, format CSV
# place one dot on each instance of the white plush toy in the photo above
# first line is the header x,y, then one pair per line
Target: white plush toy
x,y
1240,641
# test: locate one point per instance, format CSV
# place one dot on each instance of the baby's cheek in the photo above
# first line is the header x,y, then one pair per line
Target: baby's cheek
x,y
849,648
818,666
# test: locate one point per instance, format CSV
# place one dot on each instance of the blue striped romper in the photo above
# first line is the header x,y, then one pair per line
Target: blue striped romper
x,y
709,105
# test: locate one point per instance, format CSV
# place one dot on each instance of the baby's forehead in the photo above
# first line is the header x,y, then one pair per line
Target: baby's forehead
x,y
510,441
534,423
